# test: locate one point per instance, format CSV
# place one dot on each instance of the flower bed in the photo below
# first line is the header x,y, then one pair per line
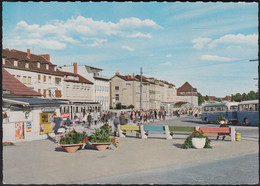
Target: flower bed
x,y
8,144
196,134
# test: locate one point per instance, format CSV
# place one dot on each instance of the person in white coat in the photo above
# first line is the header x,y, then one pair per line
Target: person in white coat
x,y
95,117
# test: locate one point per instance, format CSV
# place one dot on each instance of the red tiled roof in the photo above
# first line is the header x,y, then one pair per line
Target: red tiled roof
x,y
21,57
186,87
15,87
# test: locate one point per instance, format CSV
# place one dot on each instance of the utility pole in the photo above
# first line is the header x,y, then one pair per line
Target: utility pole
x,y
141,84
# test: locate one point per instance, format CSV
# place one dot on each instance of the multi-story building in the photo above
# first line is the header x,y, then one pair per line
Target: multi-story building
x,y
35,71
187,94
126,90
100,89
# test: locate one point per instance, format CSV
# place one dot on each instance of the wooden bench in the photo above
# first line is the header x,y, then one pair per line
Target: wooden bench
x,y
181,130
214,131
128,129
164,130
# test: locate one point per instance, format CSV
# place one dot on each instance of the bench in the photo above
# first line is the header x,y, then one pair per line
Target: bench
x,y
164,130
128,129
214,131
181,130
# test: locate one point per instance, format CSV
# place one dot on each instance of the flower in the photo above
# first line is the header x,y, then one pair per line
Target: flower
x,y
73,137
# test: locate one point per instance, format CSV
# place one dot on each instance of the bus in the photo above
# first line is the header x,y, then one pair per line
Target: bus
x,y
211,112
248,112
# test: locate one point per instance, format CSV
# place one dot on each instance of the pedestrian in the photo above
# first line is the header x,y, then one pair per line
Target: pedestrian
x,y
57,120
116,123
68,122
155,114
84,119
160,114
89,118
122,118
225,124
95,117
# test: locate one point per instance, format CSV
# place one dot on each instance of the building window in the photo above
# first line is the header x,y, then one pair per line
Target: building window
x,y
44,93
15,63
47,67
39,90
50,79
117,97
44,79
39,77
24,79
116,88
26,65
49,93
3,61
57,93
18,77
57,81
38,64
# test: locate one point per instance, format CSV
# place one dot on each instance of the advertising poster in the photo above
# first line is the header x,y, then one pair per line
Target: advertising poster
x,y
28,127
45,123
19,131
65,115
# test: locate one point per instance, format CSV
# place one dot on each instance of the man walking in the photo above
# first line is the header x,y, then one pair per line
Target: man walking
x,y
116,123
89,118
122,118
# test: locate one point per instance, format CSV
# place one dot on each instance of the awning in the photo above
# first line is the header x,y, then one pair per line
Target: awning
x,y
33,101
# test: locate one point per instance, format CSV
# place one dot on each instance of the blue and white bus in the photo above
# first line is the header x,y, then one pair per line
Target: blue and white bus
x,y
248,112
211,112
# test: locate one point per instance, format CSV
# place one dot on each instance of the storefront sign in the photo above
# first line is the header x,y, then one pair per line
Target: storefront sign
x,y
19,131
28,127
48,110
65,115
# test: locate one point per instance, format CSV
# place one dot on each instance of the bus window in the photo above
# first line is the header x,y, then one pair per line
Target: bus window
x,y
219,108
256,107
233,108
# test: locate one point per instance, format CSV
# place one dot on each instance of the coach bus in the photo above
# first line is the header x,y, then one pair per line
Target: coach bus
x,y
211,112
248,112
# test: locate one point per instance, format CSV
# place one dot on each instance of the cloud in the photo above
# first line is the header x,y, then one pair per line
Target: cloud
x,y
128,48
169,55
216,58
95,41
74,27
139,34
229,39
200,43
239,39
166,64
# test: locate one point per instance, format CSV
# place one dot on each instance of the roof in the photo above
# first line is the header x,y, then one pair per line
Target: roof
x,y
249,102
15,87
21,57
186,87
36,101
102,78
81,79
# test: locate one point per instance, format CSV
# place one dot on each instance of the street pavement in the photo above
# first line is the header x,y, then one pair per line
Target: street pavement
x,y
43,162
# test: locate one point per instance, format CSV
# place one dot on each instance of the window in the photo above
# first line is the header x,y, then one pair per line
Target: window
x,y
18,77
116,88
50,79
3,61
15,63
47,67
117,97
57,93
44,93
26,65
57,81
49,93
39,90
39,77
44,79
24,79
38,64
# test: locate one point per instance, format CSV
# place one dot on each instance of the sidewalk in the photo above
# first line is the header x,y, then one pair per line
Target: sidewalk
x,y
43,162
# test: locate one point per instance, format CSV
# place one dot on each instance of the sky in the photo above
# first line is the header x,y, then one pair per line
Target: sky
x,y
208,45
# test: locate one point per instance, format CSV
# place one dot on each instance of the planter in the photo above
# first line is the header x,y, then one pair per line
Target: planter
x,y
221,122
101,146
198,143
71,148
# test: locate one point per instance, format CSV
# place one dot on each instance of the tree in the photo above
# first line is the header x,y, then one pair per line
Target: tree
x,y
207,98
118,105
131,107
123,106
244,97
200,99
252,95
237,97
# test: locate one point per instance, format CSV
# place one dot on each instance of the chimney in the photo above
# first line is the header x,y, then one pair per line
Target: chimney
x,y
75,68
46,56
28,53
133,75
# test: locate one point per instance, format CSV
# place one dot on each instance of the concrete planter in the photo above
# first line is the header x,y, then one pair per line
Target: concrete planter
x,y
71,148
101,146
198,143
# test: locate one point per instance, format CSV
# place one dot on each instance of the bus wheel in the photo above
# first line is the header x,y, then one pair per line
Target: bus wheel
x,y
246,121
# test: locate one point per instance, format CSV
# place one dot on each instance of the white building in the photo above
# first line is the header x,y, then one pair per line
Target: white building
x,y
101,90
